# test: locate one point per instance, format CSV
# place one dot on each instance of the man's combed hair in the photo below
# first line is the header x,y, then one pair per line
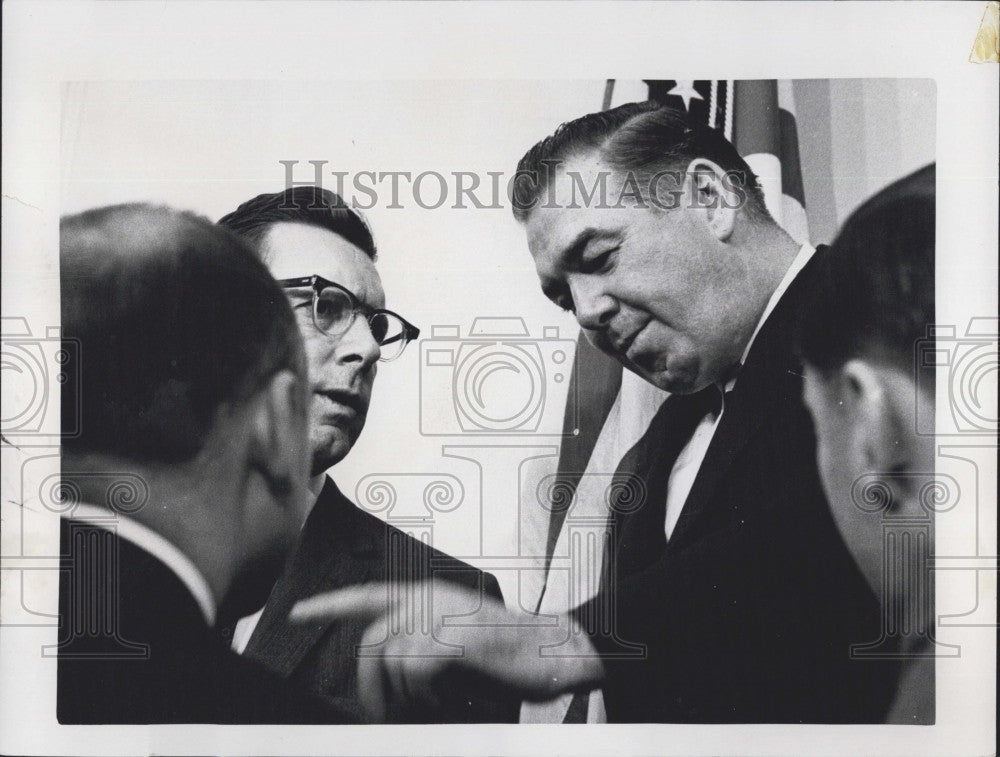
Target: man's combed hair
x,y
176,318
311,205
873,295
638,138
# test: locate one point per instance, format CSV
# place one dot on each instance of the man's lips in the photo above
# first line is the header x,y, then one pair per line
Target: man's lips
x,y
622,345
344,398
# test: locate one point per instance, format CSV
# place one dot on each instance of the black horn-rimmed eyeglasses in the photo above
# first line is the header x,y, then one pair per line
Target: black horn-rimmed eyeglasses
x,y
334,309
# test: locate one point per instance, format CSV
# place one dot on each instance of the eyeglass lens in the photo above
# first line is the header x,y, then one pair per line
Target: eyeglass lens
x,y
334,313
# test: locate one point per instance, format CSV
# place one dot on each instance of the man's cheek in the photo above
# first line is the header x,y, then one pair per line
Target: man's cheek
x,y
826,471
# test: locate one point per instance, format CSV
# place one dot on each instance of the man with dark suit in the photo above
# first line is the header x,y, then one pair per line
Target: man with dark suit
x,y
323,253
726,594
185,486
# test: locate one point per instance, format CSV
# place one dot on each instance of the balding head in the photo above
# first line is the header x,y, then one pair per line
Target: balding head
x,y
175,317
191,377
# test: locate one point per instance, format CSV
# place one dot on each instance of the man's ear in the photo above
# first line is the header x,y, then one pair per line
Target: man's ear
x,y
711,194
879,435
278,447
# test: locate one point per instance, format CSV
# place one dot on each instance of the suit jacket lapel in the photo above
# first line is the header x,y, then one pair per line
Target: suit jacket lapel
x,y
331,553
756,396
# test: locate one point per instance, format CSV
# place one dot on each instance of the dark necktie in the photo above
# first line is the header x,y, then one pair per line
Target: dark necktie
x,y
639,526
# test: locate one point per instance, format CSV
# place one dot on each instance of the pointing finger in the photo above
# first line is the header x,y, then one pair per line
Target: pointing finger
x,y
366,602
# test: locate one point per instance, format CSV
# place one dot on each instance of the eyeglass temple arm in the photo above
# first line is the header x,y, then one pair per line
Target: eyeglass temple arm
x,y
409,333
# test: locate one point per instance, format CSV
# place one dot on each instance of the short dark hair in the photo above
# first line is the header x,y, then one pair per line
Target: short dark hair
x,y
311,205
641,138
175,317
873,294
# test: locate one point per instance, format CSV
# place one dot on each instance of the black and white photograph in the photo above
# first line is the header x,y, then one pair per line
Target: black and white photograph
x,y
412,378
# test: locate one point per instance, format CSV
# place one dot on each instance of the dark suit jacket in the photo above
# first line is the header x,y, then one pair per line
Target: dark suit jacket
x,y
749,613
342,545
135,647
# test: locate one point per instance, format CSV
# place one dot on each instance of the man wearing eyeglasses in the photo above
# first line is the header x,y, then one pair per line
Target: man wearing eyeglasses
x,y
322,253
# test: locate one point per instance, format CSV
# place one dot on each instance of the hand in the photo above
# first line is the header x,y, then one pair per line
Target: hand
x,y
414,652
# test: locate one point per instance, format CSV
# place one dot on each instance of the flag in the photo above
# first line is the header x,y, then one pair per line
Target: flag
x,y
764,132
614,408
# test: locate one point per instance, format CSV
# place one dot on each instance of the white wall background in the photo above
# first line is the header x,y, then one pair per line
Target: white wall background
x,y
855,137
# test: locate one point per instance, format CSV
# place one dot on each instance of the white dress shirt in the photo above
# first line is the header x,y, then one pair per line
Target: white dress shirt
x,y
244,629
151,542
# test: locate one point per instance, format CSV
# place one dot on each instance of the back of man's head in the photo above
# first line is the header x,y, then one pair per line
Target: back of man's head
x,y
871,300
310,205
873,297
637,139
176,318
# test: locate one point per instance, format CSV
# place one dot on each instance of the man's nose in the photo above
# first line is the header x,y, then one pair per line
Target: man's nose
x,y
592,306
358,345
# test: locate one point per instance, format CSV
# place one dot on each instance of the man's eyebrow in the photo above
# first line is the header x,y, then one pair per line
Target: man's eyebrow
x,y
569,257
574,250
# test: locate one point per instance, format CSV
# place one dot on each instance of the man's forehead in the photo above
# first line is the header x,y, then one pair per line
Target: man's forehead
x,y
562,217
576,177
293,250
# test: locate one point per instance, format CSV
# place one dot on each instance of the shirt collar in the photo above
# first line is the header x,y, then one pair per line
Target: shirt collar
x,y
805,253
151,542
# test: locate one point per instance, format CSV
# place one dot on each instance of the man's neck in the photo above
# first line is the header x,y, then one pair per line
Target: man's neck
x,y
768,252
803,254
172,510
772,251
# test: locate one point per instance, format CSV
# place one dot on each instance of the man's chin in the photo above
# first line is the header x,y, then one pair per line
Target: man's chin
x,y
330,451
322,464
667,380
